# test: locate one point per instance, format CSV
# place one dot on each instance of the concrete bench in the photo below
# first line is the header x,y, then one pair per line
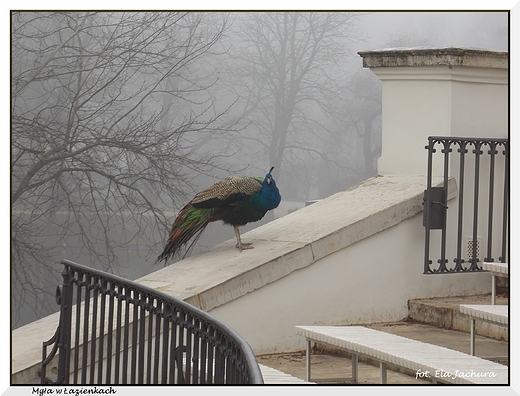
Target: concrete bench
x,y
496,269
497,314
425,360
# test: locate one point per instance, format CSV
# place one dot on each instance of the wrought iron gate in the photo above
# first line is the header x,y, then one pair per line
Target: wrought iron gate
x,y
473,227
114,331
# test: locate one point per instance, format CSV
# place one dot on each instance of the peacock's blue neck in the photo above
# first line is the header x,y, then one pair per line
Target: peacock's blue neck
x,y
269,195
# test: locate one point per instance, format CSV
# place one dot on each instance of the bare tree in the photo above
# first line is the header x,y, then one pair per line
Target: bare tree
x,y
106,111
364,108
287,69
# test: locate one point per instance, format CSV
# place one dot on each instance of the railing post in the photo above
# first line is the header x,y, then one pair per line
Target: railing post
x,y
64,295
462,151
427,204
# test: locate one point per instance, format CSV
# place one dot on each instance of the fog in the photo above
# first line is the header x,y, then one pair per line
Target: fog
x,y
486,30
106,147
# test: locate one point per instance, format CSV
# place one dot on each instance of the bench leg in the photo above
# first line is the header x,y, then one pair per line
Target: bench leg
x,y
472,337
382,372
308,362
354,367
493,289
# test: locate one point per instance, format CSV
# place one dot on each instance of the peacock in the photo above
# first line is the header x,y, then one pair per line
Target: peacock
x,y
236,200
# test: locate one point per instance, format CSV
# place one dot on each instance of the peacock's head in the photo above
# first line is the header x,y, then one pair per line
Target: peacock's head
x,y
269,177
269,196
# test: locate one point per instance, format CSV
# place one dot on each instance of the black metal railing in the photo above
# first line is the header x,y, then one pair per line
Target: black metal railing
x,y
475,228
114,331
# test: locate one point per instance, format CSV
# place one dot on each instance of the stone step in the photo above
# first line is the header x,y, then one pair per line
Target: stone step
x,y
444,312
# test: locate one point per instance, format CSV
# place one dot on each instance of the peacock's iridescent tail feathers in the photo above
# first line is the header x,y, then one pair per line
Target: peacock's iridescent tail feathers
x,y
189,224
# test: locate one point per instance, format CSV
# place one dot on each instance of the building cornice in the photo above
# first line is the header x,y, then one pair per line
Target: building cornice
x,y
425,56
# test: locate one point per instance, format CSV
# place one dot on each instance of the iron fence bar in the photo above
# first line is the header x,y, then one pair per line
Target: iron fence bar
x,y
492,152
219,364
110,331
195,358
503,257
446,150
101,330
220,358
141,350
178,357
78,330
203,360
165,347
173,345
211,354
126,336
233,364
67,314
463,151
65,323
119,327
474,259
189,331
85,330
149,344
93,342
229,365
135,331
157,346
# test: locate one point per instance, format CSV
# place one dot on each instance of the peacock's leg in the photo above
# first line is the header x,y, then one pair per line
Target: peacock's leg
x,y
241,246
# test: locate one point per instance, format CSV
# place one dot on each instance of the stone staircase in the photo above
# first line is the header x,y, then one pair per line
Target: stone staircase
x,y
436,321
445,313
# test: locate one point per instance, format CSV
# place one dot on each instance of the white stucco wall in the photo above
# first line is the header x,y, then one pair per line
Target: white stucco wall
x,y
481,107
368,282
413,110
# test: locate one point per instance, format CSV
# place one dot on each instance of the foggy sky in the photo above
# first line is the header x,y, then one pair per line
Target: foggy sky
x,y
445,29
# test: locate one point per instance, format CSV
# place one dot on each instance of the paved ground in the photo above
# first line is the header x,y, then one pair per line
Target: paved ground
x,y
336,369
328,364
